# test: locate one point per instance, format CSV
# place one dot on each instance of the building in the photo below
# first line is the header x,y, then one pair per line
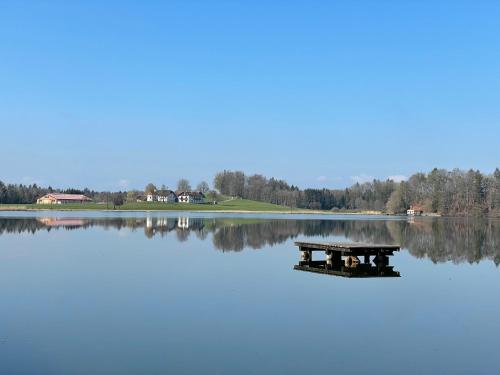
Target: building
x,y
415,210
166,196
191,197
57,198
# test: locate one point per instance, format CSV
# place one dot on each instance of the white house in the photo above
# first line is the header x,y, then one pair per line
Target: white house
x,y
191,197
166,196
415,210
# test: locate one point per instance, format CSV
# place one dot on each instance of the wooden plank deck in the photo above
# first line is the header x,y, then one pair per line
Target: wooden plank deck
x,y
344,246
348,248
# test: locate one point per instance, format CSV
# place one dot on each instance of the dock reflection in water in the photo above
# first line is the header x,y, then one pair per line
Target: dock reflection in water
x,y
359,270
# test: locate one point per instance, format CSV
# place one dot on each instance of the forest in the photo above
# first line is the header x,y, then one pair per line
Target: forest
x,y
452,193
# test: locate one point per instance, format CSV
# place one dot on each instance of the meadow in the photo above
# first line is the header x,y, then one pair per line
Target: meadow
x,y
236,205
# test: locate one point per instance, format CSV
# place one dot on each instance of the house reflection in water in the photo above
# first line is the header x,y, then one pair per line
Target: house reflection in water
x,y
192,223
183,223
159,225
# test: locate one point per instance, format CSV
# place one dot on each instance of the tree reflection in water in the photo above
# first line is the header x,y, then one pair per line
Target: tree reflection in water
x,y
441,240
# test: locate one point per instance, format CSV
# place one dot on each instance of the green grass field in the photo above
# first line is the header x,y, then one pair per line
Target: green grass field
x,y
230,205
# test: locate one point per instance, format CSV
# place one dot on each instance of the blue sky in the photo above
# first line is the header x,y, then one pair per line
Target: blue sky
x,y
118,94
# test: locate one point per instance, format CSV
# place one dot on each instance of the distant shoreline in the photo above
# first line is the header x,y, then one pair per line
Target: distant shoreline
x,y
26,208
195,208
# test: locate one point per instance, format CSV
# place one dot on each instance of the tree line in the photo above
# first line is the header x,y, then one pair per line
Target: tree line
x,y
28,194
369,196
456,192
453,192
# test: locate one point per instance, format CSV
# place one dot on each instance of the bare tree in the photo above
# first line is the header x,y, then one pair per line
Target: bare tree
x,y
213,196
183,185
230,183
163,189
203,187
150,188
133,195
118,200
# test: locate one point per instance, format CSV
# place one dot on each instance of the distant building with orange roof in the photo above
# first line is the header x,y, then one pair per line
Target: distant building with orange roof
x,y
415,210
58,198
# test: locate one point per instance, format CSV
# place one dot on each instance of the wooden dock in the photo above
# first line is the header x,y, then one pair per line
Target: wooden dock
x,y
356,249
342,259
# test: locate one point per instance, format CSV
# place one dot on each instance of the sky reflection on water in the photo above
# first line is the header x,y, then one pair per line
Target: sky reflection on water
x,y
215,294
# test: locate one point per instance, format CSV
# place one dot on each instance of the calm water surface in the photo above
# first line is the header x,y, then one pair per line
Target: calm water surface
x,y
187,293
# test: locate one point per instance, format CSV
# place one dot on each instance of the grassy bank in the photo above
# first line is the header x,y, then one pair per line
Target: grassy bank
x,y
235,205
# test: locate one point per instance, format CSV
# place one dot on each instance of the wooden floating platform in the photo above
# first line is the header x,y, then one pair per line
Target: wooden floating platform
x,y
343,259
354,249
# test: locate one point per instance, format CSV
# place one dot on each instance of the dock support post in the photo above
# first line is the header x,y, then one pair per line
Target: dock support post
x,y
381,260
351,261
333,257
329,257
305,255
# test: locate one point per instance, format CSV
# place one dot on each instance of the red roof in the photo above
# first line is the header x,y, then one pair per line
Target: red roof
x,y
416,207
69,197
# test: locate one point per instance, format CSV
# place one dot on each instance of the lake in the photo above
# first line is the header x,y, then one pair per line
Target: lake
x,y
187,293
